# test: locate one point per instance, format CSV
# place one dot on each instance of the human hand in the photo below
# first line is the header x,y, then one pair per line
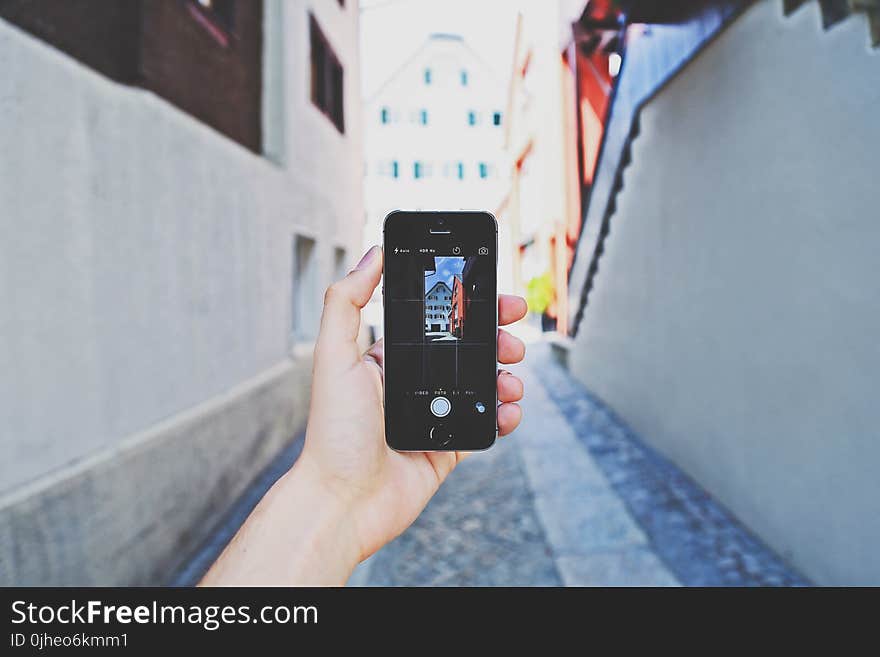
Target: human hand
x,y
345,444
349,493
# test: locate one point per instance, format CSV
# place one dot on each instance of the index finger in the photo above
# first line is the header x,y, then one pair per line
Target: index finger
x,y
511,308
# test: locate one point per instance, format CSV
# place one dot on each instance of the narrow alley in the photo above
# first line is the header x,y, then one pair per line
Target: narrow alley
x,y
571,498
681,198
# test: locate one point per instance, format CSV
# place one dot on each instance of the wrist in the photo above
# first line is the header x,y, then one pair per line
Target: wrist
x,y
300,534
324,545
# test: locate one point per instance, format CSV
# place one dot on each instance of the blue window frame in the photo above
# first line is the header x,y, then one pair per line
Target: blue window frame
x,y
395,169
472,118
496,118
464,78
385,115
423,117
417,169
461,170
484,170
427,76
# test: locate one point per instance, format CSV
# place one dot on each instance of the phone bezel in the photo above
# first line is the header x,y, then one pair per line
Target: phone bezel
x,y
439,217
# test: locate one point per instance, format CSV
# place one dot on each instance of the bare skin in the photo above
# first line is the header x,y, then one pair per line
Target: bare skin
x,y
349,494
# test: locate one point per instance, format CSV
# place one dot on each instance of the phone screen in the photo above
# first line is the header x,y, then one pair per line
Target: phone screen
x,y
440,330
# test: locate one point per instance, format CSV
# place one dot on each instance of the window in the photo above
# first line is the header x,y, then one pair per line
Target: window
x,y
160,47
339,268
418,170
327,77
423,117
385,115
464,78
388,168
496,118
304,319
427,76
461,170
484,170
472,118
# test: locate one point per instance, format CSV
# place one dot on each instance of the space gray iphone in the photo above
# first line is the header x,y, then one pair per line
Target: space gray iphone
x,y
441,319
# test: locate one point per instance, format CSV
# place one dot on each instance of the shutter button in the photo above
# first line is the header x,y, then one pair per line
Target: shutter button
x,y
440,406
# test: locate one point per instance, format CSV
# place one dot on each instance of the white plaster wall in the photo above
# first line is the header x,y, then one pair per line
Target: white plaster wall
x,y
145,260
446,139
735,317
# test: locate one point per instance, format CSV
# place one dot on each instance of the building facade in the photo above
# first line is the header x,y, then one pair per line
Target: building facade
x,y
203,56
438,305
542,207
173,205
433,133
458,309
724,296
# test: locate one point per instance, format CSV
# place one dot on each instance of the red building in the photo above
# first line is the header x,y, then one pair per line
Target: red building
x,y
561,85
457,314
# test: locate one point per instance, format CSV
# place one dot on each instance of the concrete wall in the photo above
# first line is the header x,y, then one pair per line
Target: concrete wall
x,y
145,278
736,311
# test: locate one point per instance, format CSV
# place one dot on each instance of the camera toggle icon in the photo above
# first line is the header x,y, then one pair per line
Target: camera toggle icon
x,y
483,250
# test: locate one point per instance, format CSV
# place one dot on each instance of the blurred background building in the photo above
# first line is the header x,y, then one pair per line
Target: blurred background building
x,y
443,89
433,135
541,210
179,181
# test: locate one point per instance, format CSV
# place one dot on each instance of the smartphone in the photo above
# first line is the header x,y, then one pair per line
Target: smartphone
x,y
441,325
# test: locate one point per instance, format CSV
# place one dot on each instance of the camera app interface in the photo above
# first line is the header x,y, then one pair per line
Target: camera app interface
x,y
440,306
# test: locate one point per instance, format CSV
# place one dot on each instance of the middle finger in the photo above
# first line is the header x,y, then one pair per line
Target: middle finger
x,y
510,348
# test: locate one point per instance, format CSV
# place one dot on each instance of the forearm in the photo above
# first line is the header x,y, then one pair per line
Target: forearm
x,y
298,535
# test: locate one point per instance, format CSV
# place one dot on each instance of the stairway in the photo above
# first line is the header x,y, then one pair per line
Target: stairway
x,y
834,11
650,61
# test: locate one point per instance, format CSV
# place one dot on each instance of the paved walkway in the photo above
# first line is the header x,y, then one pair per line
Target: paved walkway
x,y
571,498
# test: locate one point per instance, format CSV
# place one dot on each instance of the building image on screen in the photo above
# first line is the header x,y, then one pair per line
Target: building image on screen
x,y
444,300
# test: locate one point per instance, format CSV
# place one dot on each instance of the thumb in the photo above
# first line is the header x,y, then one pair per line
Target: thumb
x,y
343,302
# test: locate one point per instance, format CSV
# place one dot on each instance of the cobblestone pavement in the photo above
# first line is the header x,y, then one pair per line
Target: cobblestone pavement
x,y
481,529
572,498
700,542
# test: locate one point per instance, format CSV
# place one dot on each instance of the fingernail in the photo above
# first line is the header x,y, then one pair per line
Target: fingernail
x,y
367,258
